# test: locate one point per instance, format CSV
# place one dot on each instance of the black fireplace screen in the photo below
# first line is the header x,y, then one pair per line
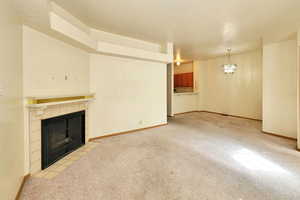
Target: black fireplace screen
x,y
62,135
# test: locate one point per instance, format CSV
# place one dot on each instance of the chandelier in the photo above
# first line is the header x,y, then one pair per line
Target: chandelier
x,y
229,68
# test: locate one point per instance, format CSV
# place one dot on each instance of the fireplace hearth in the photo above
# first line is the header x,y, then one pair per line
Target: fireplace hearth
x,y
61,135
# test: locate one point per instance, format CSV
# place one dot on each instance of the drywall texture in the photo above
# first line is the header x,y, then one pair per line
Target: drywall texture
x,y
11,121
280,88
237,94
130,94
124,41
185,103
52,67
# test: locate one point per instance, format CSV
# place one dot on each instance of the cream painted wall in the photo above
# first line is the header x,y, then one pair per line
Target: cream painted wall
x,y
298,89
71,30
46,63
196,68
185,102
280,88
11,121
239,94
125,41
130,94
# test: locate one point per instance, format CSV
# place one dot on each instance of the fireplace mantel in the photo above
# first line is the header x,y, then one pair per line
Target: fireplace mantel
x,y
45,101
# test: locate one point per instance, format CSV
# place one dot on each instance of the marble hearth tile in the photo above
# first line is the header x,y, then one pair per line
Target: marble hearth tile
x,y
35,136
67,163
70,108
58,168
52,111
36,156
50,175
62,164
82,106
40,174
34,116
36,166
35,146
35,126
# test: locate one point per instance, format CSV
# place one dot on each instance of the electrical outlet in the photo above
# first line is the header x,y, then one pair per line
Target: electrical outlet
x,y
141,122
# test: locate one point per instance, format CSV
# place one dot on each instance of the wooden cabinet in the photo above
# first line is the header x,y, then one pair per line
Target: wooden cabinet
x,y
184,80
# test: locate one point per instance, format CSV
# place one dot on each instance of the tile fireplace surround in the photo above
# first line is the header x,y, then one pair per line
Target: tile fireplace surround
x,y
36,115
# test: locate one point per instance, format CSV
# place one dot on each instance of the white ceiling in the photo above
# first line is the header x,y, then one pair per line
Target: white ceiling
x,y
198,28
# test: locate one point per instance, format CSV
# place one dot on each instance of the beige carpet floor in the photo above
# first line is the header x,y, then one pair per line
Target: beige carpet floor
x,y
198,156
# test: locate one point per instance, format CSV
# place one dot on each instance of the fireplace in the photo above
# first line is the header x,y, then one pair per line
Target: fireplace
x,y
61,135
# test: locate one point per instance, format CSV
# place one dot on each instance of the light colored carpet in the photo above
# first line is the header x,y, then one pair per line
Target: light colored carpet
x,y
198,156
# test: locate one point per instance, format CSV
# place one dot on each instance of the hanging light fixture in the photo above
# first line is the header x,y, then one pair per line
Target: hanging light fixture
x,y
177,60
229,68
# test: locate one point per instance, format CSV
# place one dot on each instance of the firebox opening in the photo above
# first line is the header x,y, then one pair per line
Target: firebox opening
x,y
61,135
